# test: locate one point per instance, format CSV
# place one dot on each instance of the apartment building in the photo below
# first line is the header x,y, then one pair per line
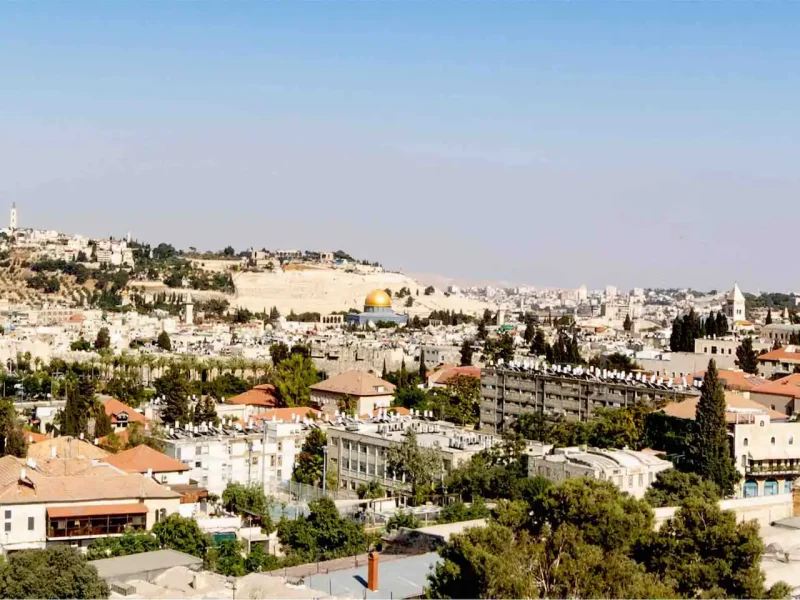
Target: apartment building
x,y
40,506
629,470
358,450
780,362
767,455
259,453
564,392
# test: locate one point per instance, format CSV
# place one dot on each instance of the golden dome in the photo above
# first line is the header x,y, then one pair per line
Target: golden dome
x,y
378,299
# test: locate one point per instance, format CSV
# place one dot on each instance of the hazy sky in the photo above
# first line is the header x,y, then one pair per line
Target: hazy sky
x,y
648,144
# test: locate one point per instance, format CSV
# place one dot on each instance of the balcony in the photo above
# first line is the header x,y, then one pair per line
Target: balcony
x,y
94,520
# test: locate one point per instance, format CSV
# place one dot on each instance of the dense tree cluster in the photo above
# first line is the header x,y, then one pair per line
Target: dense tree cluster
x,y
56,572
746,357
686,329
585,539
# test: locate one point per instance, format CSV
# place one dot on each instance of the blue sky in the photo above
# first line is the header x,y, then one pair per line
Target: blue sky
x,y
648,144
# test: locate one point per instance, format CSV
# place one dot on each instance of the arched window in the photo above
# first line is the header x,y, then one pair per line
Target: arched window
x,y
791,440
772,441
750,489
770,487
745,442
787,486
761,423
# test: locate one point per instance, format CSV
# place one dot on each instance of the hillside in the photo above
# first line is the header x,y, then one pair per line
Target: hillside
x,y
326,291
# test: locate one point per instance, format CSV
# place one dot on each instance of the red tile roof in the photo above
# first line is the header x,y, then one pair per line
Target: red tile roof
x,y
687,409
787,354
731,380
95,510
114,407
444,374
143,458
33,437
261,395
355,383
786,386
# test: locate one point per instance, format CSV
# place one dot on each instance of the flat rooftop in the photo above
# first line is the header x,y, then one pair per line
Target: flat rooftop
x,y
403,578
133,565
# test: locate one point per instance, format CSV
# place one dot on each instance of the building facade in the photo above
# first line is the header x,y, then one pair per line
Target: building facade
x,y
358,451
377,309
506,394
767,455
263,454
630,471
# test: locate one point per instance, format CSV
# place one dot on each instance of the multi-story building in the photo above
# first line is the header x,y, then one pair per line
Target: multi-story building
x,y
575,395
780,362
767,454
631,471
358,451
73,502
257,454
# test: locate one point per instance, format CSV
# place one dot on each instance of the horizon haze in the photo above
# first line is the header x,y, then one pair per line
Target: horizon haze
x,y
549,144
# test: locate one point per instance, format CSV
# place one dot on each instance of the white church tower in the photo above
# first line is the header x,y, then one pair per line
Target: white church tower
x,y
734,306
12,217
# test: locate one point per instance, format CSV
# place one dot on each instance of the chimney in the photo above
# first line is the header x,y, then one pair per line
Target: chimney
x,y
53,451
23,474
372,571
149,473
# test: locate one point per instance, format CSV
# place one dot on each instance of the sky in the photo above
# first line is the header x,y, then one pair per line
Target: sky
x,y
649,144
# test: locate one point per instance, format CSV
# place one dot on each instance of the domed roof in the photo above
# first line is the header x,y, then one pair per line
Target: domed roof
x,y
378,299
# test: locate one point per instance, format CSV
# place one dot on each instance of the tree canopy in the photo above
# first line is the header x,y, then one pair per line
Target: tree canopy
x,y
672,487
746,357
55,572
419,466
293,379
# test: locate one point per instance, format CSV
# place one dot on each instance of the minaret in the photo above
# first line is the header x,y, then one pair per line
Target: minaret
x,y
188,310
12,217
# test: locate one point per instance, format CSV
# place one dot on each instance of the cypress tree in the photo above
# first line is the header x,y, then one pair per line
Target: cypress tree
x,y
627,325
722,324
677,334
423,370
768,321
712,456
466,353
746,358
384,373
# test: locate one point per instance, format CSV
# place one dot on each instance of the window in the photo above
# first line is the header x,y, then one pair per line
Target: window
x,y
761,423
8,526
31,522
198,464
772,441
630,481
641,479
745,442
8,514
791,440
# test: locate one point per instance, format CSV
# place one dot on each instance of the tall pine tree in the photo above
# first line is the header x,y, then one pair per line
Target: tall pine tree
x,y
722,324
711,449
676,336
768,321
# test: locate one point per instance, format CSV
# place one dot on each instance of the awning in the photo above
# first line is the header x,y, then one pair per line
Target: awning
x,y
95,510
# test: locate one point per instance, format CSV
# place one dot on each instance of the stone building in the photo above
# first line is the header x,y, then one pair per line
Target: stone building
x,y
377,309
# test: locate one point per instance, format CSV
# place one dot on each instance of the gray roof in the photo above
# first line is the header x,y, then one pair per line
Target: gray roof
x,y
124,567
402,578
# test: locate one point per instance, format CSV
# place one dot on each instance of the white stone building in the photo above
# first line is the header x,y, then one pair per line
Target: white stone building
x,y
255,455
629,470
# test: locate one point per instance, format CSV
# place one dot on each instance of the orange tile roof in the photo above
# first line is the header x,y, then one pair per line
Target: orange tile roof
x,y
285,414
687,409
96,484
94,510
731,380
114,407
261,395
787,354
444,374
143,458
785,386
355,383
66,447
34,437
